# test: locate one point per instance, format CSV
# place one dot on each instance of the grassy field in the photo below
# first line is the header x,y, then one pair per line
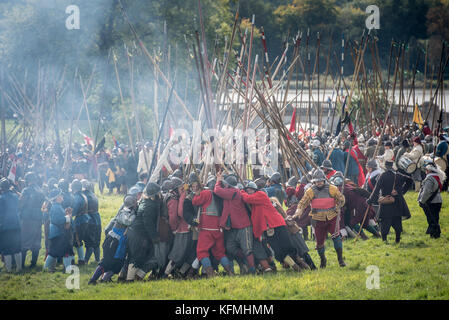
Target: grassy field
x,y
417,268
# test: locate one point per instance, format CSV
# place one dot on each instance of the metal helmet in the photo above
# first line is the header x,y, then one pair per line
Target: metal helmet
x,y
4,184
372,164
372,142
240,186
428,138
211,181
140,185
76,186
276,177
152,188
130,201
260,183
327,164
316,143
166,186
318,175
304,180
230,180
176,182
292,182
134,191
63,184
336,181
193,177
251,185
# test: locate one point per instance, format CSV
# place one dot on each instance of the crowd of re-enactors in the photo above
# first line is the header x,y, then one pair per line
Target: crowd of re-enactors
x,y
181,226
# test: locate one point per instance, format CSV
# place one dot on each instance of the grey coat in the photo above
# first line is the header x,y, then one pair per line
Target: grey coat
x,y
428,187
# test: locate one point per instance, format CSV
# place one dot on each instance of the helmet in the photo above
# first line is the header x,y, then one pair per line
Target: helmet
x,y
292,182
76,186
260,183
240,186
230,180
276,177
336,180
166,186
372,164
130,201
176,182
304,180
133,191
372,142
54,194
4,184
140,185
428,138
193,177
327,164
63,184
316,143
152,188
211,181
318,175
251,185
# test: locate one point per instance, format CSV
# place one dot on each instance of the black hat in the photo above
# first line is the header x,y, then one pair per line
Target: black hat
x,y
388,144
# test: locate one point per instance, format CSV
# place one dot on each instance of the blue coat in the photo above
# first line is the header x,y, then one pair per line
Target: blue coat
x,y
353,168
31,202
337,158
277,191
57,220
80,210
318,157
9,211
442,149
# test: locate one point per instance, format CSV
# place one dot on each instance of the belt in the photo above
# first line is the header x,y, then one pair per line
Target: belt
x,y
210,229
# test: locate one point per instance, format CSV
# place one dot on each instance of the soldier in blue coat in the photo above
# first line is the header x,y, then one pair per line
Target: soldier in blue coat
x,y
30,204
81,219
10,240
337,158
275,189
93,238
60,234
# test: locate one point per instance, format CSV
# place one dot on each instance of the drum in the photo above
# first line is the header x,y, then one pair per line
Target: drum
x,y
407,165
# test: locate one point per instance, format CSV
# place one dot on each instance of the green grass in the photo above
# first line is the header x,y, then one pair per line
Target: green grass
x,y
417,268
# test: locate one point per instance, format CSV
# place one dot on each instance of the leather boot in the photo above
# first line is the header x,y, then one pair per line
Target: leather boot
x,y
363,235
301,263
228,270
210,272
341,262
289,261
323,259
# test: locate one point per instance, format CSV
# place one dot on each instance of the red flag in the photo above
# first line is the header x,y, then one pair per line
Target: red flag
x,y
293,122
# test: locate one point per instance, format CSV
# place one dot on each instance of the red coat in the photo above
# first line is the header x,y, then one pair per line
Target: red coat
x,y
203,200
233,206
263,214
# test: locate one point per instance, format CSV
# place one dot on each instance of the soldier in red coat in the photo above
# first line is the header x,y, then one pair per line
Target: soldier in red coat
x,y
210,235
269,224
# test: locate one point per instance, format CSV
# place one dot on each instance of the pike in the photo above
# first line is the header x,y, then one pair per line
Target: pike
x,y
161,127
153,62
